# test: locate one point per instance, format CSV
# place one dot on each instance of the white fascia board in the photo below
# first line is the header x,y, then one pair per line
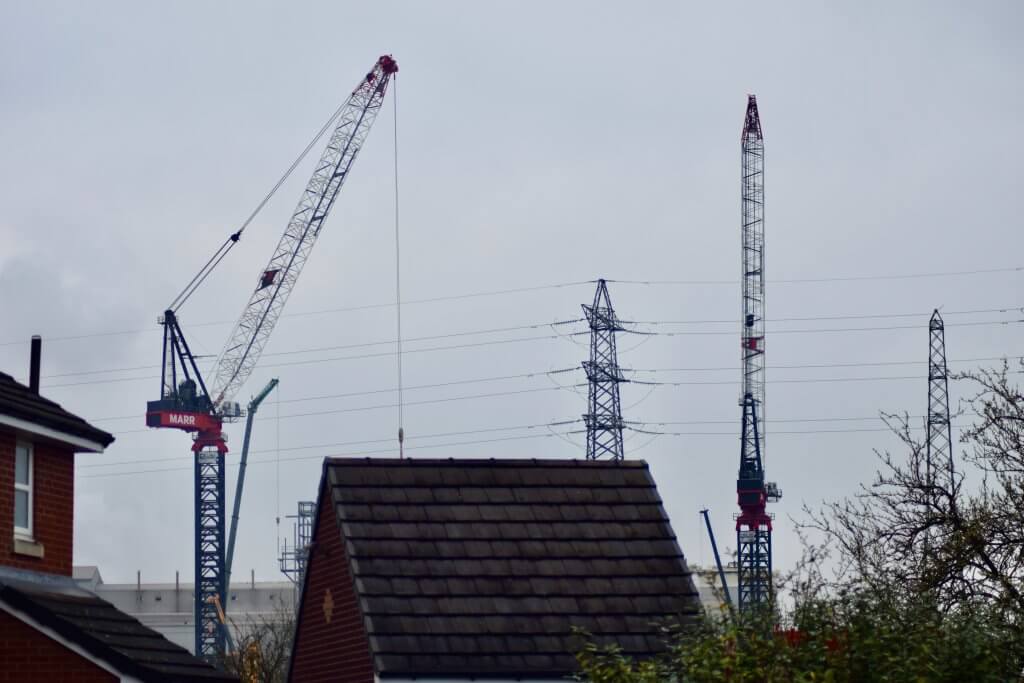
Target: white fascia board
x,y
56,434
53,635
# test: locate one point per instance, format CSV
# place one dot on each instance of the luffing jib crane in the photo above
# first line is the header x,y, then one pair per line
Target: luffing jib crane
x,y
754,523
189,404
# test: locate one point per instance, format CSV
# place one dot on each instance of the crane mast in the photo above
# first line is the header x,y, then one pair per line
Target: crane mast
x,y
189,404
754,523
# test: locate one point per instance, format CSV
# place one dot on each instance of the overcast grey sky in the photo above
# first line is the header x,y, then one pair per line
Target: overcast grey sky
x,y
539,143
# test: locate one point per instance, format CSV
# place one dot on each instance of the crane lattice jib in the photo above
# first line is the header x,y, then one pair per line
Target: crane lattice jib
x,y
752,333
277,280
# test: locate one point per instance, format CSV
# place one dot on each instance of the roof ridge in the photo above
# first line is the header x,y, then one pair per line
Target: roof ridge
x,y
483,462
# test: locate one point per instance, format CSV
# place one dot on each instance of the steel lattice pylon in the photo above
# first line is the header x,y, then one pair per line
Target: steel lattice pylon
x,y
604,417
210,589
939,444
753,524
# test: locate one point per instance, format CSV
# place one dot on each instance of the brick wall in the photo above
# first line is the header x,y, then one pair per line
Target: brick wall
x,y
29,656
338,650
53,506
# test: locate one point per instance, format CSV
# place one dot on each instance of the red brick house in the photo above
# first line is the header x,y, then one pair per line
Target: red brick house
x,y
455,570
51,629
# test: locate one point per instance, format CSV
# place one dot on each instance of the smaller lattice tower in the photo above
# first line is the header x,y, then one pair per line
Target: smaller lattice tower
x,y
604,416
939,444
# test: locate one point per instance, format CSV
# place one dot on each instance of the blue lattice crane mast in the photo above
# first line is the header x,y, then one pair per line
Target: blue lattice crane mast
x,y
754,523
604,408
189,404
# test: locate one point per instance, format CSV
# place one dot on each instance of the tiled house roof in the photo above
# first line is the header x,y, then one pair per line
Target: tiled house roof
x,y
482,568
103,631
18,401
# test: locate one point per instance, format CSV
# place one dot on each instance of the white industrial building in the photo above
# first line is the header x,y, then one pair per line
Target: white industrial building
x,y
167,607
709,586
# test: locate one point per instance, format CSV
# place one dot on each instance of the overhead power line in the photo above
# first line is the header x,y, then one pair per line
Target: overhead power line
x,y
359,345
808,366
513,340
550,373
847,278
312,361
361,442
636,425
815,380
321,397
320,457
774,432
519,290
552,388
475,442
384,406
815,330
859,316
325,311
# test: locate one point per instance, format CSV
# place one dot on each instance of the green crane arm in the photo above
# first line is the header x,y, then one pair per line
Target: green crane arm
x,y
254,404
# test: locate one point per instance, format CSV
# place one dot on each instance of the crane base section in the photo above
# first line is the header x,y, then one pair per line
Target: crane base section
x,y
209,551
754,563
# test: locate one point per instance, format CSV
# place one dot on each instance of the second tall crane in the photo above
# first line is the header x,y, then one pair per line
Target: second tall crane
x,y
754,523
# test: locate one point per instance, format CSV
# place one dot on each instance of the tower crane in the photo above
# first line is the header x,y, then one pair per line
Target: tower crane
x,y
753,523
189,404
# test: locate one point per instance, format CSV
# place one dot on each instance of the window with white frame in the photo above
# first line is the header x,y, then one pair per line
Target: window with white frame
x,y
23,489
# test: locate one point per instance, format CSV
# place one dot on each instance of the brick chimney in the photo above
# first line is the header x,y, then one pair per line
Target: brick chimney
x,y
33,366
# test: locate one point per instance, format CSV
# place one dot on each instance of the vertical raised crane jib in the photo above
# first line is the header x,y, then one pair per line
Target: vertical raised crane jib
x,y
603,419
276,281
753,523
752,261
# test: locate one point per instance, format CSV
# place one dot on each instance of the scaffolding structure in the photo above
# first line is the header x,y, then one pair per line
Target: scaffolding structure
x,y
293,560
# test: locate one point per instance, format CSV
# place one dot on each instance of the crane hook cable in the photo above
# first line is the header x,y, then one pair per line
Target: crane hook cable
x,y
232,239
398,277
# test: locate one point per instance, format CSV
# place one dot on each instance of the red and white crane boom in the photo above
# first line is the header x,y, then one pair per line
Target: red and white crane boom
x,y
277,280
186,403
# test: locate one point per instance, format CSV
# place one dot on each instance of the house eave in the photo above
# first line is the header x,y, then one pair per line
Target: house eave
x,y
64,642
81,444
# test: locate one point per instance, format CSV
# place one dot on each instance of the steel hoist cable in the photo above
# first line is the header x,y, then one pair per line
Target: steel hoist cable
x,y
234,237
398,280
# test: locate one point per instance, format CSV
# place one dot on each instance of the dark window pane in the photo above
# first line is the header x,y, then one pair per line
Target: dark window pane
x,y
21,509
21,464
